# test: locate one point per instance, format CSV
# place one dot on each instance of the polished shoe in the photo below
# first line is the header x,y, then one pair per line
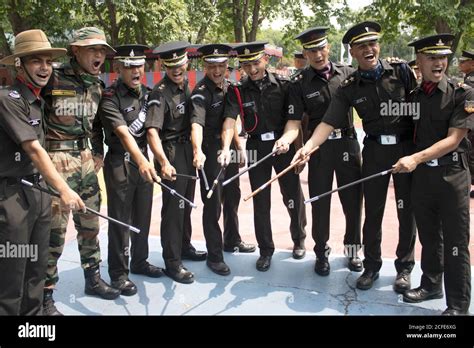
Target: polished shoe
x,y
367,279
263,263
298,252
241,248
218,267
193,255
354,264
402,282
472,194
125,286
322,266
452,311
49,308
96,286
420,294
149,270
180,275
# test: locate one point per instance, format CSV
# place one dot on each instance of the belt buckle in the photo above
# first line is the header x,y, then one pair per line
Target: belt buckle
x,y
388,139
432,163
335,134
267,136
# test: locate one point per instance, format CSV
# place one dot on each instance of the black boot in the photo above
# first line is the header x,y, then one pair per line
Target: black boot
x,y
95,285
49,308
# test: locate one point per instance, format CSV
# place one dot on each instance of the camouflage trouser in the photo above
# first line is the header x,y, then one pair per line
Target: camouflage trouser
x,y
77,169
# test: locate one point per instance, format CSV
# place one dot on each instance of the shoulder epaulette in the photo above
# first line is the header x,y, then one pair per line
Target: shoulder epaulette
x,y
109,92
14,94
297,77
394,60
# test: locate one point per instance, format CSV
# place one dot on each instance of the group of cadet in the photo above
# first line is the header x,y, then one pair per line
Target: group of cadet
x,y
53,123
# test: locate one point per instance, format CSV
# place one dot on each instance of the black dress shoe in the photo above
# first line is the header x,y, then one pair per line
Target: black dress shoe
x,y
263,263
180,275
218,267
298,252
472,194
193,255
149,270
322,267
367,279
354,264
240,248
452,311
420,294
125,286
402,282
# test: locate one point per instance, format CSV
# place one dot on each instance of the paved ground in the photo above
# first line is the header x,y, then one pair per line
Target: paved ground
x,y
290,287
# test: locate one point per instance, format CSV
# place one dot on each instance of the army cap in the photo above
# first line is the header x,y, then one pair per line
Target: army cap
x,y
173,53
215,53
131,55
466,55
362,32
438,45
250,51
90,36
298,55
412,64
30,42
313,38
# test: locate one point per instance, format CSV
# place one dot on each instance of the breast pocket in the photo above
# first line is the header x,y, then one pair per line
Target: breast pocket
x,y
64,110
178,110
364,107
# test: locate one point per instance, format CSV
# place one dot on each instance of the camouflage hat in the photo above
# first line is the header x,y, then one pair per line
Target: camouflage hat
x,y
90,36
32,42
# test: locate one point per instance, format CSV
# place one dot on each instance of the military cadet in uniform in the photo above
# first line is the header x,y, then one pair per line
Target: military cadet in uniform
x,y
311,93
72,97
207,116
122,112
25,213
389,135
168,131
261,101
300,62
466,65
441,179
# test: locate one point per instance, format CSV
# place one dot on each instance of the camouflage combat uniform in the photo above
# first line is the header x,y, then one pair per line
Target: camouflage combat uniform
x,y
72,99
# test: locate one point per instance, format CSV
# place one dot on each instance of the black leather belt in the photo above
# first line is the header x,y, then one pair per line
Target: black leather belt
x,y
342,133
33,178
67,145
182,139
389,139
261,136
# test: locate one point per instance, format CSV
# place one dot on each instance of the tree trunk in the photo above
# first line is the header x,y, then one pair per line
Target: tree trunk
x,y
18,23
114,26
255,21
237,20
4,46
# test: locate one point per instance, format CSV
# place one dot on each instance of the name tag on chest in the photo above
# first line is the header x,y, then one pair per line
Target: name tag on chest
x,y
312,95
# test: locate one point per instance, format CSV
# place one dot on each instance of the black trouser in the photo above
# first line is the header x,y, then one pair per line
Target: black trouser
x,y
228,196
376,158
175,213
25,222
290,189
441,206
340,156
129,199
